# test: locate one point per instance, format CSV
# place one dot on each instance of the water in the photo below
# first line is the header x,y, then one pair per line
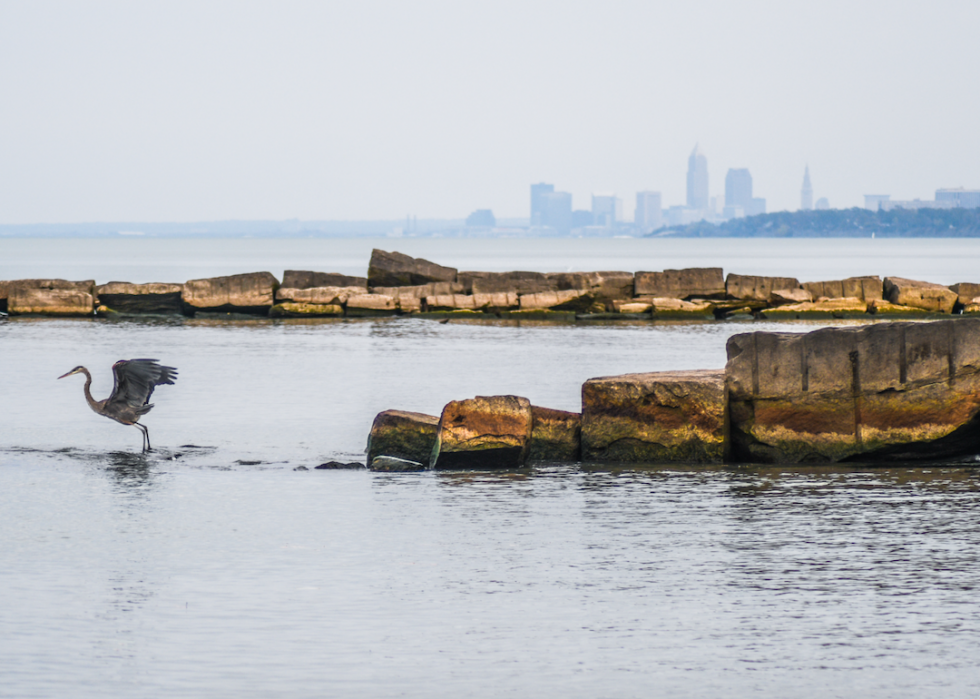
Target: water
x,y
212,568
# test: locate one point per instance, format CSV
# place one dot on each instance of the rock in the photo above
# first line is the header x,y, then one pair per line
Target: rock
x,y
827,308
864,288
884,308
605,287
123,297
450,302
477,302
404,435
338,466
494,303
676,308
967,292
318,294
503,282
56,297
888,390
391,464
305,310
781,297
4,293
371,305
556,435
739,286
294,279
484,432
575,300
633,306
925,295
703,282
420,291
252,293
661,417
301,468
396,269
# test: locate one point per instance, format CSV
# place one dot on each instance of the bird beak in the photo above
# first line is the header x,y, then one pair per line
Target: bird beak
x,y
73,371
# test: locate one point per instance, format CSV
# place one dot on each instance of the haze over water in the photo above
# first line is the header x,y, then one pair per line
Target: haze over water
x,y
211,567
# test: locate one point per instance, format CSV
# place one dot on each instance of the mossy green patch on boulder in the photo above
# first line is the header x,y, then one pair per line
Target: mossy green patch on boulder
x,y
402,434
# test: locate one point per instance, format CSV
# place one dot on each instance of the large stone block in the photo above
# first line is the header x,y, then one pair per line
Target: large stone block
x,y
740,286
333,295
925,295
4,293
239,293
864,288
661,417
123,297
403,435
556,435
826,308
698,282
397,269
967,292
503,282
56,297
297,279
484,432
362,305
420,291
576,300
890,390
605,287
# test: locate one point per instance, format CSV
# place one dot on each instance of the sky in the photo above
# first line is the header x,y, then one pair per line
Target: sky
x,y
320,110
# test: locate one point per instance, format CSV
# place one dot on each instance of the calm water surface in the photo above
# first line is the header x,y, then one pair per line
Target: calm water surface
x,y
212,568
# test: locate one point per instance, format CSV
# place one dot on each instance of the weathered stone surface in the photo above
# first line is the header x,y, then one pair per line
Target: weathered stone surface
x,y
967,292
396,269
305,310
484,432
390,464
889,390
633,306
884,308
4,293
318,294
123,297
556,435
294,279
339,466
576,300
827,308
781,297
371,304
503,282
739,286
56,297
925,295
672,307
605,287
662,417
420,291
403,435
864,288
450,302
239,293
702,282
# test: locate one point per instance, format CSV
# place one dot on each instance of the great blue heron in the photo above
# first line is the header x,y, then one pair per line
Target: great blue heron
x,y
135,380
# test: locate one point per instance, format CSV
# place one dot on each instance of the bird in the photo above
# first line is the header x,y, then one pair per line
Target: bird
x,y
135,380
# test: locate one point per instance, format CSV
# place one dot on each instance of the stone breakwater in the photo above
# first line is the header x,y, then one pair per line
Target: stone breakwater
x,y
887,391
397,284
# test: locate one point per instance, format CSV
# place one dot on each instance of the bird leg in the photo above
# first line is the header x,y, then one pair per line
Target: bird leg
x,y
146,436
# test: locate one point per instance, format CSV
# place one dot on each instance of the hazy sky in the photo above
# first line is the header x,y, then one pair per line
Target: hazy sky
x,y
178,111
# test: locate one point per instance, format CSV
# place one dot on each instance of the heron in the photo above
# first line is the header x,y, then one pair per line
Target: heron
x,y
135,380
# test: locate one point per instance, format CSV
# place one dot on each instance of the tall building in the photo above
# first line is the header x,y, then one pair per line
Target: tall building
x,y
873,202
537,192
607,209
697,180
556,211
649,211
806,193
738,188
962,198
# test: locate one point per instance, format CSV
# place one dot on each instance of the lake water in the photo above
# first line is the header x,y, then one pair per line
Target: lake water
x,y
211,567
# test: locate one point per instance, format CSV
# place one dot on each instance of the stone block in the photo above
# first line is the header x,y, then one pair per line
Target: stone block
x,y
864,288
781,297
239,293
402,435
701,282
967,293
397,269
556,435
925,295
371,304
305,310
295,279
739,286
420,291
826,308
56,297
484,432
503,282
892,310
605,287
889,390
4,293
576,300
123,297
338,295
661,417
450,302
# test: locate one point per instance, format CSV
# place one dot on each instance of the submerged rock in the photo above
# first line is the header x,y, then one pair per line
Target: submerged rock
x,y
391,464
925,295
56,297
484,432
306,310
123,297
252,293
404,435
396,269
700,282
890,390
339,466
661,417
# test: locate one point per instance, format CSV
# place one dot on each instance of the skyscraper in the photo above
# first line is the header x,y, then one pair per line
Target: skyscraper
x,y
697,180
537,203
556,211
738,188
806,194
649,211
607,209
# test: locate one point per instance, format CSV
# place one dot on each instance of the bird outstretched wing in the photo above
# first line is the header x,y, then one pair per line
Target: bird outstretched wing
x,y
135,380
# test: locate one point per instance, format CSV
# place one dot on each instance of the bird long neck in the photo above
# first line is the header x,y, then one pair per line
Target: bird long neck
x,y
94,404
